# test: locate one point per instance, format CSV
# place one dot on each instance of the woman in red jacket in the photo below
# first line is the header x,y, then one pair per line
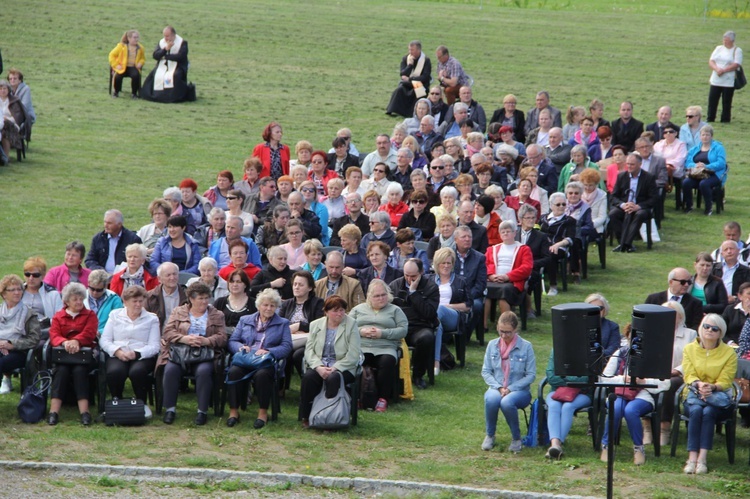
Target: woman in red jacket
x,y
509,265
272,153
74,327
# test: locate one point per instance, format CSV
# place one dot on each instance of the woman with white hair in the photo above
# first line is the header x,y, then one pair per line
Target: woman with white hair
x,y
579,161
560,230
206,234
709,366
173,195
335,202
448,198
209,271
725,60
100,299
381,326
135,272
504,211
260,333
395,206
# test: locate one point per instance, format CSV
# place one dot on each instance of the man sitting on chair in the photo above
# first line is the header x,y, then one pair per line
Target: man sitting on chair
x,y
416,70
168,81
633,198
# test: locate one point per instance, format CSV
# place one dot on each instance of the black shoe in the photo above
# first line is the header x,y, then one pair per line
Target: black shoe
x,y
708,213
134,97
688,209
232,422
258,424
169,417
745,422
86,419
618,249
115,95
420,383
53,418
630,249
201,418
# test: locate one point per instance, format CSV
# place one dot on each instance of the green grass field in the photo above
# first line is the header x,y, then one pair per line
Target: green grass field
x,y
316,67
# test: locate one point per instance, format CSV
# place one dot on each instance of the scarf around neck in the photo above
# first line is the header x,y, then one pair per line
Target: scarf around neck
x,y
505,350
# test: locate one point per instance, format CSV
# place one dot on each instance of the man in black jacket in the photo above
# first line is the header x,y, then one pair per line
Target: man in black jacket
x,y
679,281
355,216
479,240
107,249
419,298
633,198
730,270
626,129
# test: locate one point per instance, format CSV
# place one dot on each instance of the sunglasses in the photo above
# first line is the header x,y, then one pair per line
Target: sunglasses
x,y
232,198
684,282
560,204
308,189
709,327
689,116
419,201
33,274
669,131
379,171
437,168
434,93
96,290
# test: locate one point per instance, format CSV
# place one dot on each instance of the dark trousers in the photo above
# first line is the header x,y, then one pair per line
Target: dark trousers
x,y
705,186
312,384
423,342
61,380
15,359
294,361
726,94
263,384
385,376
135,80
667,408
137,370
625,225
204,380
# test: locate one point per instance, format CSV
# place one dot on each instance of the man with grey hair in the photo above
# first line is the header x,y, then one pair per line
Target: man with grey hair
x,y
451,75
310,222
452,127
663,119
547,173
474,110
261,204
219,249
480,241
557,151
426,136
542,102
355,216
336,283
107,249
415,72
346,134
730,270
678,282
382,154
168,295
402,173
380,230
472,266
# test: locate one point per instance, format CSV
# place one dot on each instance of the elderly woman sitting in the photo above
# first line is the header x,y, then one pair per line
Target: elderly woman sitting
x,y
709,366
454,297
135,272
381,326
579,210
509,265
217,194
260,333
710,157
235,204
238,261
173,196
249,184
505,212
160,211
595,197
448,198
355,256
209,276
99,299
313,250
19,329
334,202
395,207
43,299
206,234
405,249
332,354
418,218
509,369
578,162
276,274
131,340
294,232
71,270
73,328
377,256
301,310
380,230
445,238
195,324
560,230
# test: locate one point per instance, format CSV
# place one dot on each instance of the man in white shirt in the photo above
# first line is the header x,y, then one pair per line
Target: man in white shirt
x,y
383,154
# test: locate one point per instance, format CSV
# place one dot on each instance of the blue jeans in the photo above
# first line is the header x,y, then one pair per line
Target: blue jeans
x,y
560,414
633,411
510,404
705,186
702,426
448,321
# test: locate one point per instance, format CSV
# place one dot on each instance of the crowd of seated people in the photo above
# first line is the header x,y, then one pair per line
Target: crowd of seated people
x,y
497,213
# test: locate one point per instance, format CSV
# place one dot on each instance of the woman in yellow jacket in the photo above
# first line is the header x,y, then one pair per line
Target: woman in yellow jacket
x,y
709,366
127,59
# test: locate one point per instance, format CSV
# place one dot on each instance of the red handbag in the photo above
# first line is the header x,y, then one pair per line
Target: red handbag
x,y
627,393
566,394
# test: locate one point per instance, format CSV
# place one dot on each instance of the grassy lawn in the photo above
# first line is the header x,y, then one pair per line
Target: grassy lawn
x,y
316,67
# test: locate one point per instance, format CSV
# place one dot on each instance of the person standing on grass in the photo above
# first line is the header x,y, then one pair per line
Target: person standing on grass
x,y
725,60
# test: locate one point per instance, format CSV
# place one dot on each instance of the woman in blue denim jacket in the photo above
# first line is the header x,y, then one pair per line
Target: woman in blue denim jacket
x,y
509,369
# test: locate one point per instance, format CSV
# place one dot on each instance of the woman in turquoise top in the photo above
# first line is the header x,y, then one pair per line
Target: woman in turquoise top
x,y
309,193
709,289
710,154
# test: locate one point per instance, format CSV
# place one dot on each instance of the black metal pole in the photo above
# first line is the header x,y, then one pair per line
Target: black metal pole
x,y
610,447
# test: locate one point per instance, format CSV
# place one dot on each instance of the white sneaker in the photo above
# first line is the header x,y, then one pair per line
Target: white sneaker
x,y
552,291
147,411
6,386
515,446
489,443
437,371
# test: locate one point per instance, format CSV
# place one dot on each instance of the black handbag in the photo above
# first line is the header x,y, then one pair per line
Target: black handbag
x,y
33,403
740,80
185,355
124,412
84,356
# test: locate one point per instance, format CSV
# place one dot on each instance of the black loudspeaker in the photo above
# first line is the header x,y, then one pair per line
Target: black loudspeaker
x,y
651,341
577,339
